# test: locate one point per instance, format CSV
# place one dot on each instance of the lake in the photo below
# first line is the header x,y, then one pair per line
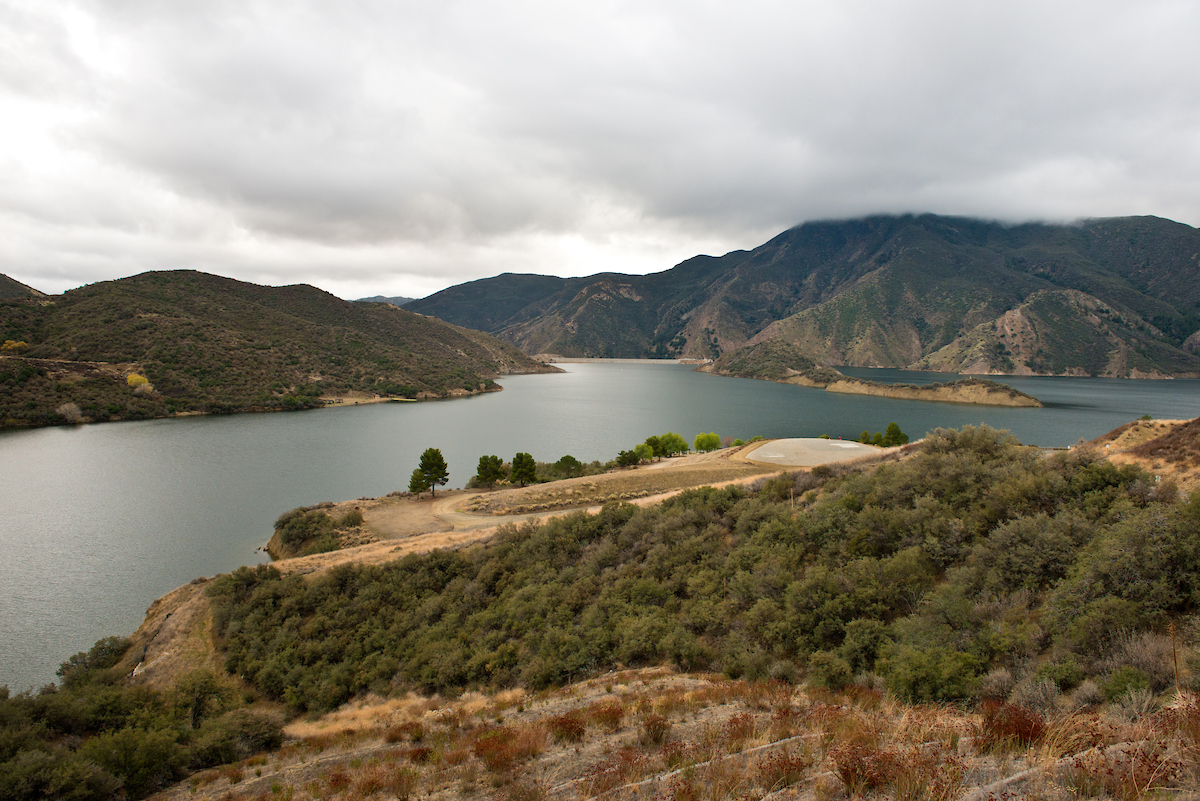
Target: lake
x,y
100,520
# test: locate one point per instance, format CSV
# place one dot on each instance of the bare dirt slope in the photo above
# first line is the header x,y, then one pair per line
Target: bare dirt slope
x,y
1167,448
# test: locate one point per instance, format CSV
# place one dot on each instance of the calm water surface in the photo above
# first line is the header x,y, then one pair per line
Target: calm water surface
x,y
98,521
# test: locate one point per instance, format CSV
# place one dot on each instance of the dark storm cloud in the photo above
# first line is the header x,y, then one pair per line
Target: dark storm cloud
x,y
402,147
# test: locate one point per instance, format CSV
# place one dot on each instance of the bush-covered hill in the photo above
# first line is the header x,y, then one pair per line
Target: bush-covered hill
x,y
212,344
1049,588
968,565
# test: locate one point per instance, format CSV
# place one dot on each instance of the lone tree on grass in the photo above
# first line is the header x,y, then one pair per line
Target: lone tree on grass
x,y
524,469
433,467
418,483
707,442
490,470
569,466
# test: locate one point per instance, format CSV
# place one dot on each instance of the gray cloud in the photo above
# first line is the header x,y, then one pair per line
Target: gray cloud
x,y
402,147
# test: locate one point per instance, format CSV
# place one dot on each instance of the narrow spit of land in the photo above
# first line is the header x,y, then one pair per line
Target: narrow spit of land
x,y
173,640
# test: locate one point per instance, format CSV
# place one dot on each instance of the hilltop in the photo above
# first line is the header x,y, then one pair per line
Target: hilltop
x,y
1113,297
11,288
181,342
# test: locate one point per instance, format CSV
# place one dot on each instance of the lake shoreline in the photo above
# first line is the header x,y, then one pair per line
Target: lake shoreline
x,y
175,499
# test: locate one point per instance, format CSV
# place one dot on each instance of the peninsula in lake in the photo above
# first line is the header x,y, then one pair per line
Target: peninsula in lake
x,y
778,360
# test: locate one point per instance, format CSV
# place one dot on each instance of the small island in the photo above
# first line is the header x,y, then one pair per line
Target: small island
x,y
780,361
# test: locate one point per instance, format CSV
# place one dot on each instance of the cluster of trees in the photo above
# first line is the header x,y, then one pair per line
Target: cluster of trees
x,y
972,556
30,396
655,447
96,737
525,470
888,439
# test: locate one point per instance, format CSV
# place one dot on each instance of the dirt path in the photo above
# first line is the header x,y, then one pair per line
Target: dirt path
x,y
400,525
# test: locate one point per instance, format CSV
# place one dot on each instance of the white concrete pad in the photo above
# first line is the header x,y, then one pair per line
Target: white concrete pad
x,y
805,452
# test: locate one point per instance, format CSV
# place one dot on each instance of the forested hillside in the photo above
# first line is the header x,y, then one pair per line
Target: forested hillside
x,y
171,342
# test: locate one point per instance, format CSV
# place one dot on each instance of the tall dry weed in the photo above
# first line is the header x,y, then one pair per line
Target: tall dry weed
x,y
1147,651
738,731
623,767
782,768
1076,733
1129,773
1006,727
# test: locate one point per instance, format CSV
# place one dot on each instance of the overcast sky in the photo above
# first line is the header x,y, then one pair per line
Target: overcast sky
x,y
402,147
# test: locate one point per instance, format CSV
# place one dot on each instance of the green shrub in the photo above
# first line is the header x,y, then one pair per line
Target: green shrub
x,y
1065,675
303,524
1122,680
59,774
144,761
1100,621
862,642
934,675
104,654
829,671
233,736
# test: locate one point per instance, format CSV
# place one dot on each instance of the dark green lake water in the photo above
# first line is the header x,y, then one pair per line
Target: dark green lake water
x,y
98,521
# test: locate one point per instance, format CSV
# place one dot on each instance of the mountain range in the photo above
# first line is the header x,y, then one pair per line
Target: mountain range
x,y
1107,297
396,301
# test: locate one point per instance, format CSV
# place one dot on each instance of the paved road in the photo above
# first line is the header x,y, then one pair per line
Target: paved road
x,y
809,452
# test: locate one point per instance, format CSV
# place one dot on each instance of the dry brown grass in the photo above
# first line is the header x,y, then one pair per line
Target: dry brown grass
x,y
623,485
716,739
369,713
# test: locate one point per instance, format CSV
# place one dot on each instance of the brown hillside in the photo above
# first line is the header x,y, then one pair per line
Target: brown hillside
x,y
1167,448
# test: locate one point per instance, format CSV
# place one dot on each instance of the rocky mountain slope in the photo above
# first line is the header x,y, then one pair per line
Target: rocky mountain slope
x,y
1116,297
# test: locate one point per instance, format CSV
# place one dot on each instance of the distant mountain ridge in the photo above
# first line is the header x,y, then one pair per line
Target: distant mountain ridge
x,y
396,301
1116,297
203,343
